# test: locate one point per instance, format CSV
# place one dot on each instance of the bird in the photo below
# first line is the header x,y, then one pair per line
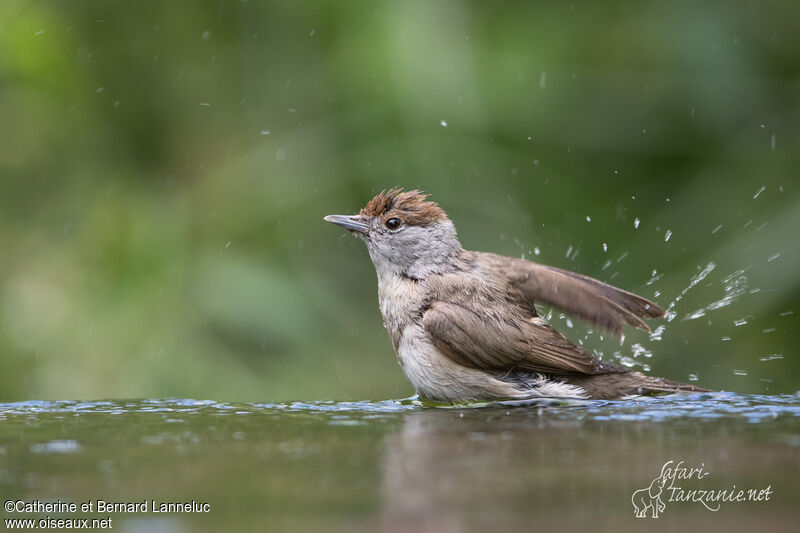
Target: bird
x,y
464,325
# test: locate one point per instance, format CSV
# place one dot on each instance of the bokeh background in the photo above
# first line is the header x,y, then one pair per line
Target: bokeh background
x,y
165,167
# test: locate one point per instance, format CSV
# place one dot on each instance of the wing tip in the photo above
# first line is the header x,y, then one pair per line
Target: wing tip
x,y
652,310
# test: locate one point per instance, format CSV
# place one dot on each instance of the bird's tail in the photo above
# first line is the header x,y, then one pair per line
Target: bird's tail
x,y
615,386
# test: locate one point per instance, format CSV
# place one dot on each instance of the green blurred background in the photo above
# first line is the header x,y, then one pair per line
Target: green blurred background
x,y
165,167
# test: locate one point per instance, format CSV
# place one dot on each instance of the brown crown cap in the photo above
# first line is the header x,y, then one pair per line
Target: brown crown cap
x,y
411,206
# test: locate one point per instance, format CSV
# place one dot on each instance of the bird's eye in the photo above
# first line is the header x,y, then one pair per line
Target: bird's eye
x,y
393,223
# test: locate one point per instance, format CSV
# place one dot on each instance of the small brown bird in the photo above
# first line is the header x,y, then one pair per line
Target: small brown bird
x,y
464,325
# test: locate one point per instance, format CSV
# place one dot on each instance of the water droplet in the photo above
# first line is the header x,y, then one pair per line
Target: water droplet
x,y
654,276
605,247
667,235
443,123
264,132
658,333
697,314
206,35
759,192
636,223
536,250
588,218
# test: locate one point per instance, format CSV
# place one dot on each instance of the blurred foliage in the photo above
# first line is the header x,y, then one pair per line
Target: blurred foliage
x,y
164,168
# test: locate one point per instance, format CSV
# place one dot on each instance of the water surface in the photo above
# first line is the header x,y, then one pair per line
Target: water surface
x,y
403,466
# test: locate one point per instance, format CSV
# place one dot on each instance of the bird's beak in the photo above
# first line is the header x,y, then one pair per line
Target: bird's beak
x,y
350,223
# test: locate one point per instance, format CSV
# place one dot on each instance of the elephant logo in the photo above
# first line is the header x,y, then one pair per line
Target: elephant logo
x,y
650,498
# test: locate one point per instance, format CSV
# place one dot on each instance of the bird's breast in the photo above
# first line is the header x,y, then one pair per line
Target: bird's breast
x,y
399,300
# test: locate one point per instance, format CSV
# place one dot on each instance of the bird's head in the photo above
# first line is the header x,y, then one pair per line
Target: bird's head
x,y
406,234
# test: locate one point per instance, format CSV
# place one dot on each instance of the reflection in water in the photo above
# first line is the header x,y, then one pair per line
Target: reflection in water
x,y
503,468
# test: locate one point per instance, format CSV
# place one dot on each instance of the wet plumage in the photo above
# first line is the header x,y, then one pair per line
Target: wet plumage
x,y
464,324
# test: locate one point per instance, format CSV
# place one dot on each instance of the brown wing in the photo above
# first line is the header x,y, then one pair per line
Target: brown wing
x,y
591,300
481,340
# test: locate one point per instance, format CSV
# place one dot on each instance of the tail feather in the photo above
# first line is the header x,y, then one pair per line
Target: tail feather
x,y
615,386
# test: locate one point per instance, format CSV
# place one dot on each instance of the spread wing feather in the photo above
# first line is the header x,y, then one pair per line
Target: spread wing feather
x,y
591,300
463,323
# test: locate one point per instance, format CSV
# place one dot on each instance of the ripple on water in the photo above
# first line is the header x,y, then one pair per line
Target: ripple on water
x,y
752,407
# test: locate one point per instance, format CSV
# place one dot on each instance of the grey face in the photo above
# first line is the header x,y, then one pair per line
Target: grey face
x,y
399,248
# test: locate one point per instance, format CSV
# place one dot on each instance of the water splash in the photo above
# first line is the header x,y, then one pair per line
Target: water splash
x,y
640,351
658,333
654,276
734,285
670,313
